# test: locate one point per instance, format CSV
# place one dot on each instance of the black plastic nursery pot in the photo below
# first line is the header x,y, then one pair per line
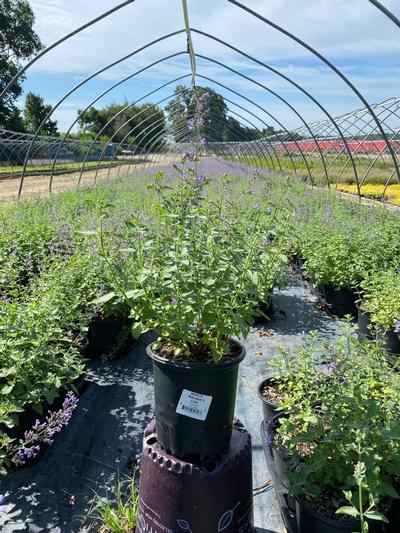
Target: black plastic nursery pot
x,y
270,409
194,404
280,459
108,336
267,308
363,322
392,342
341,302
309,520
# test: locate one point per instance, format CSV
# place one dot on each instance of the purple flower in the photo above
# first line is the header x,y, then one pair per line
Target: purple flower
x,y
173,301
189,154
43,432
256,206
191,123
203,142
2,500
200,179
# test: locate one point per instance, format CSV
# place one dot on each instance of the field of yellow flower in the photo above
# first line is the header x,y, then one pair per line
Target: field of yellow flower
x,y
392,193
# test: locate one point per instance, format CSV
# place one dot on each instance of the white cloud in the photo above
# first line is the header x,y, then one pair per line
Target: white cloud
x,y
354,35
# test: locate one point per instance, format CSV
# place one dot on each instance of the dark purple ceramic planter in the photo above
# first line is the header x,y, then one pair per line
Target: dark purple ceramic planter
x,y
196,497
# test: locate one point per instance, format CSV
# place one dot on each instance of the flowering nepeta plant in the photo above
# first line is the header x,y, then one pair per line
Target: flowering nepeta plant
x,y
42,432
203,268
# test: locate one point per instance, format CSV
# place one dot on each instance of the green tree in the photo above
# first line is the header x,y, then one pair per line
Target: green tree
x,y
135,124
18,42
35,112
219,126
182,107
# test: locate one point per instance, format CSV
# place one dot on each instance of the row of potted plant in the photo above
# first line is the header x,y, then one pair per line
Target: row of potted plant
x,y
44,342
332,433
350,252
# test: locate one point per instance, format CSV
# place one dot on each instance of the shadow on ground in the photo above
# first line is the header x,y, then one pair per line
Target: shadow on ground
x,y
102,442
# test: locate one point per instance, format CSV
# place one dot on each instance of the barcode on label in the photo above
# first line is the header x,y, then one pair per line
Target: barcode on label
x,y
194,405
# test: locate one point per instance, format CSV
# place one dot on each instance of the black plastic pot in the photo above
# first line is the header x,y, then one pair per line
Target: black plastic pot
x,y
267,308
341,302
269,409
280,459
363,321
194,404
308,520
286,502
392,341
107,337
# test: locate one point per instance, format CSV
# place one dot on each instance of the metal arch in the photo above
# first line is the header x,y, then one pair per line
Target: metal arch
x,y
332,67
259,107
132,118
386,11
62,40
292,82
127,107
101,96
267,89
155,125
152,126
83,82
278,122
253,103
123,111
189,135
155,138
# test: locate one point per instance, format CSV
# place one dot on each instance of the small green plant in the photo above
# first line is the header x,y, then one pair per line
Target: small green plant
x,y
357,509
381,298
121,516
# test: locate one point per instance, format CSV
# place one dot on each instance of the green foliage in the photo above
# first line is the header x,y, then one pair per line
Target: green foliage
x,y
18,42
120,517
125,122
381,298
343,241
35,112
344,419
202,269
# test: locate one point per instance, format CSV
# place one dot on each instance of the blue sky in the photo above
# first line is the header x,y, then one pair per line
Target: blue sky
x,y
354,35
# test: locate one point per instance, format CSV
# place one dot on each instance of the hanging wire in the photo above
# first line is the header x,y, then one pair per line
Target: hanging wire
x,y
190,48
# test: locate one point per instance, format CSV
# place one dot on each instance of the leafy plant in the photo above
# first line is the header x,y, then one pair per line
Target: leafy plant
x,y
200,275
381,298
352,419
120,517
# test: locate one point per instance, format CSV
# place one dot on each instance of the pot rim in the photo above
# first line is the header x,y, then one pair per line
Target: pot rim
x,y
260,395
348,521
212,366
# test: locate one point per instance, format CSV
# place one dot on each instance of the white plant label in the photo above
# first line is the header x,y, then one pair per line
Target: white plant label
x,y
194,405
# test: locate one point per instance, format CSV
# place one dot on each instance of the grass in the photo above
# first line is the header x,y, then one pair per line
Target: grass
x,y
339,168
9,169
121,516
